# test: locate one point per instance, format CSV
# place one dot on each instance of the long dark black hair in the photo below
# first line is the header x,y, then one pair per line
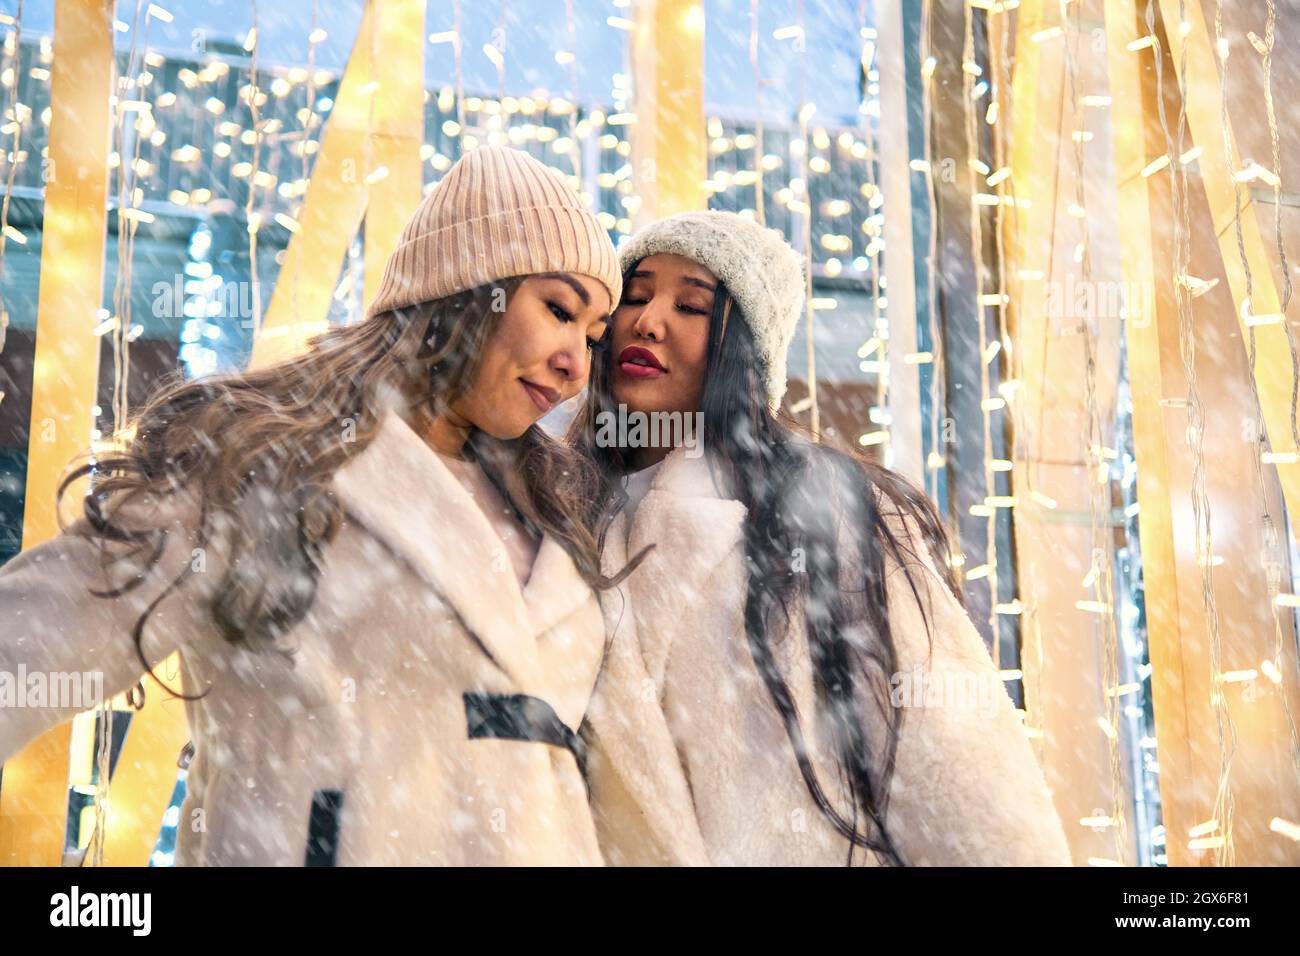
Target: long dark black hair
x,y
785,481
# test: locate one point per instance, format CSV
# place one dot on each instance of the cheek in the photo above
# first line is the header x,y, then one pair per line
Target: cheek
x,y
696,354
521,338
698,344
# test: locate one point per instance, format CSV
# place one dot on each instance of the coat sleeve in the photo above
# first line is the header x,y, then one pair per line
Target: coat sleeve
x,y
55,631
967,789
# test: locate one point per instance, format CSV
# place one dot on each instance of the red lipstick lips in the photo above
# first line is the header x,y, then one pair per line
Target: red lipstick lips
x,y
637,362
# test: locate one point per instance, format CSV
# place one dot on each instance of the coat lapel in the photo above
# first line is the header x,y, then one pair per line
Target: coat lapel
x,y
633,751
569,645
694,525
407,498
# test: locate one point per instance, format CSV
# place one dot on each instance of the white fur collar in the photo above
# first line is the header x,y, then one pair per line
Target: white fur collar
x,y
694,527
407,498
687,516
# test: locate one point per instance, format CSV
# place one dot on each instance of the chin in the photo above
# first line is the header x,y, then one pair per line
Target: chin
x,y
644,401
505,432
633,394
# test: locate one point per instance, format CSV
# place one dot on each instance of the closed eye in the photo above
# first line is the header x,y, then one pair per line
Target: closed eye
x,y
690,310
560,312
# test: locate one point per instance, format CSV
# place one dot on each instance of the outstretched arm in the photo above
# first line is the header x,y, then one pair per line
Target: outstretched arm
x,y
62,648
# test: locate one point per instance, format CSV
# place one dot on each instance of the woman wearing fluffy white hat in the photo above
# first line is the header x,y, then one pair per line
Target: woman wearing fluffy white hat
x,y
774,692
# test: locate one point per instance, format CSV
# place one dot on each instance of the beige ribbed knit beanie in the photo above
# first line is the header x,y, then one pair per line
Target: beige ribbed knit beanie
x,y
497,213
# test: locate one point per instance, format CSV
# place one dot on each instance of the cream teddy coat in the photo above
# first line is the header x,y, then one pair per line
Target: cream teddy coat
x,y
416,606
690,762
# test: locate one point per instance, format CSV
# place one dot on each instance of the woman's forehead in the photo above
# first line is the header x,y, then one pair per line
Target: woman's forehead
x,y
670,266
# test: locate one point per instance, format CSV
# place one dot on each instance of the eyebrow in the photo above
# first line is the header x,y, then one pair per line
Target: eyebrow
x,y
571,282
689,280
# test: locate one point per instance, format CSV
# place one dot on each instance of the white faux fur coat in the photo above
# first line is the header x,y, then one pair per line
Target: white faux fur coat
x,y
690,762
416,605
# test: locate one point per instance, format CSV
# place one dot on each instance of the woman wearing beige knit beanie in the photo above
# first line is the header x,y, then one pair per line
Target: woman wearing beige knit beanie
x,y
377,569
751,709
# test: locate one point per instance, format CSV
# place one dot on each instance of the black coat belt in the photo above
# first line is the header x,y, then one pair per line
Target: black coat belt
x,y
505,717
521,717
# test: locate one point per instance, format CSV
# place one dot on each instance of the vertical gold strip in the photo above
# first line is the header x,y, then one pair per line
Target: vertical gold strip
x,y
1206,122
1254,756
145,775
397,132
34,792
669,141
1179,799
377,121
1062,643
331,212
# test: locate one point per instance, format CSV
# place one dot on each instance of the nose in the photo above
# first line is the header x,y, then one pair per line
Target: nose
x,y
649,323
569,362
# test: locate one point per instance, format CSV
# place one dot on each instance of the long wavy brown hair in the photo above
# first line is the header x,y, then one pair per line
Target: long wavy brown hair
x,y
259,449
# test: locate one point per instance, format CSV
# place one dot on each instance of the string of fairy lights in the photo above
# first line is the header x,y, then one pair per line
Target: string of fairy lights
x,y
1100,577
1272,669
14,127
1012,265
255,98
936,460
1001,350
120,337
1271,560
1223,48
760,205
999,353
873,227
974,87
1177,160
1003,188
817,183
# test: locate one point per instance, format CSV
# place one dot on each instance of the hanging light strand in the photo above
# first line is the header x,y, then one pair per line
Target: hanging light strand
x,y
1222,811
1285,269
1094,438
1272,537
936,461
250,215
814,412
14,148
760,213
575,152
879,324
976,214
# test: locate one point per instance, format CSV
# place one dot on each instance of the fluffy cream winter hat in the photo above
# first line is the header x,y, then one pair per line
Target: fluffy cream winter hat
x,y
497,213
758,267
